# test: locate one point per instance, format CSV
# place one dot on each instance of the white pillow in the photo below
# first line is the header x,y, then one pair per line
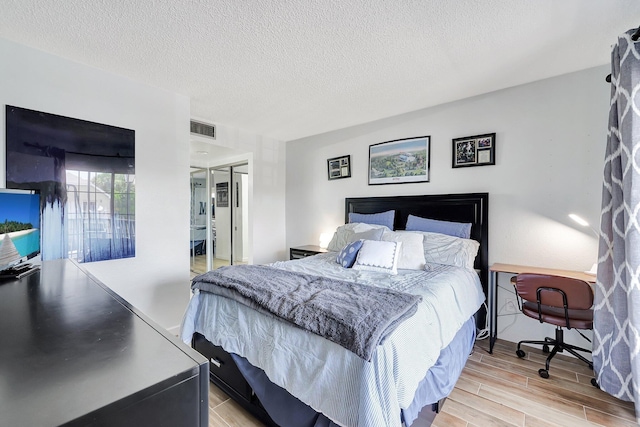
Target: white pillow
x,y
378,255
345,234
449,250
411,252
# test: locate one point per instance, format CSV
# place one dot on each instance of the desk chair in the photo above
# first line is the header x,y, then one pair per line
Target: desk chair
x,y
560,301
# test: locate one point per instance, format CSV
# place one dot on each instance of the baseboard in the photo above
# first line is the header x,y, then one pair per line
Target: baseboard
x,y
174,330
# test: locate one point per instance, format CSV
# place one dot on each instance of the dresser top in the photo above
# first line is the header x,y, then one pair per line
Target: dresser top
x,y
70,346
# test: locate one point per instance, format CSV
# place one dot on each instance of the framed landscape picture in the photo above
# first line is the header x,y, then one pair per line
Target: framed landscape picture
x,y
400,161
478,150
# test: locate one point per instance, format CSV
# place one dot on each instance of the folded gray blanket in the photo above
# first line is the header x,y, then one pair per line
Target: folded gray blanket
x,y
356,316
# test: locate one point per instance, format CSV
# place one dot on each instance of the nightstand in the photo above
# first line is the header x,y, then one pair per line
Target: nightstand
x,y
305,251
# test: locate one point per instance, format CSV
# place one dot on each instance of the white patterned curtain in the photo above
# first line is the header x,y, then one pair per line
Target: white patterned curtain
x,y
616,344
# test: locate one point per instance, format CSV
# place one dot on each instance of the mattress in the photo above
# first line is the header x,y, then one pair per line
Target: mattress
x,y
325,376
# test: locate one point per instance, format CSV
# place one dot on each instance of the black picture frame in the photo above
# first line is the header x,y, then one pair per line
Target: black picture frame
x,y
400,161
477,150
339,167
222,195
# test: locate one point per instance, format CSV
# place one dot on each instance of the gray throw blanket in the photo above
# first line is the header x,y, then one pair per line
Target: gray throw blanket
x,y
356,316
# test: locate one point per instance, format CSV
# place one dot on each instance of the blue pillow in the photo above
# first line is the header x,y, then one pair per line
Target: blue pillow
x,y
455,229
382,218
347,256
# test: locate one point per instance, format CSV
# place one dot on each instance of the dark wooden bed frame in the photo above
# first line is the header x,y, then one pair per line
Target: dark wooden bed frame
x,y
468,208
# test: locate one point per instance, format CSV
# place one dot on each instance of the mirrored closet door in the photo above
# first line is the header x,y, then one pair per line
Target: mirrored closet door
x,y
229,187
219,217
198,220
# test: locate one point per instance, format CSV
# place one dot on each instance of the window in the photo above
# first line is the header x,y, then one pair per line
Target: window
x,y
100,215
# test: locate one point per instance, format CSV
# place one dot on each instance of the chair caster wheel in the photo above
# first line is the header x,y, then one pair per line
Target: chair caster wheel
x,y
595,383
543,373
520,353
545,348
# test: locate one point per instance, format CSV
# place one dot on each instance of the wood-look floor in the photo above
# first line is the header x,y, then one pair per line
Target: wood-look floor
x,y
498,389
199,264
501,389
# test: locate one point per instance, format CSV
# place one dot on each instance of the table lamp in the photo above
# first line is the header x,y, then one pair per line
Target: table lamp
x,y
578,219
325,238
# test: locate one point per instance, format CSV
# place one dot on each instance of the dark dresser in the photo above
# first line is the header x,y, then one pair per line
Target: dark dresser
x,y
73,353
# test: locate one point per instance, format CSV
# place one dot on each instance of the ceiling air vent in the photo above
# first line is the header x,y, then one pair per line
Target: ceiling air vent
x,y
203,129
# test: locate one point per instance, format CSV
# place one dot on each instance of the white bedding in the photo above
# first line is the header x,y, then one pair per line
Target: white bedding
x,y
324,375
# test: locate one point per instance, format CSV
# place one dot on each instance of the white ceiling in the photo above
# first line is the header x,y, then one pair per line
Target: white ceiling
x,y
290,69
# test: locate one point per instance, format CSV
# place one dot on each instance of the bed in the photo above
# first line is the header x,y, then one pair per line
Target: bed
x,y
286,375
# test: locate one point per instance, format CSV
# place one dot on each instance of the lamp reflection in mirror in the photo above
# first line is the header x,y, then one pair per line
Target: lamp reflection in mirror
x,y
579,220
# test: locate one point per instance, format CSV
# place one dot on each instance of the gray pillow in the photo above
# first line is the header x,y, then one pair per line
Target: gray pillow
x,y
374,234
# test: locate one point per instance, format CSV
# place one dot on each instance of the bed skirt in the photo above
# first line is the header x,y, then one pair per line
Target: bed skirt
x,y
286,410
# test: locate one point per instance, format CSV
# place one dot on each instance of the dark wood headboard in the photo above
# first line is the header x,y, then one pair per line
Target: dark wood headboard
x,y
470,207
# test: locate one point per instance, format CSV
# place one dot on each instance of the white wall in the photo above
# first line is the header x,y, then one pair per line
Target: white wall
x,y
157,280
550,144
266,159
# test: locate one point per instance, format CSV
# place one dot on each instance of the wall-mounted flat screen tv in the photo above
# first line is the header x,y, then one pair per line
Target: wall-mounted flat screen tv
x,y
19,226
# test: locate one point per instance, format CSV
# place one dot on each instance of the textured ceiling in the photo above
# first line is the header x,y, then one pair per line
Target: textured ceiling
x,y
288,69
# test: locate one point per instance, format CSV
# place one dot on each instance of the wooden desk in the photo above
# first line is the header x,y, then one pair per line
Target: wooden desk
x,y
517,269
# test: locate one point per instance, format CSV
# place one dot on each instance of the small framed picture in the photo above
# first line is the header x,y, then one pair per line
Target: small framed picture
x,y
478,150
222,195
339,167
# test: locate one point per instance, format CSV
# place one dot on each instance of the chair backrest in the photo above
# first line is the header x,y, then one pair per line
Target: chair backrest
x,y
579,295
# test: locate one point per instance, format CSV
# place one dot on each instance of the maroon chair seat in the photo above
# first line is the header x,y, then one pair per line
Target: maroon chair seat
x,y
560,301
578,319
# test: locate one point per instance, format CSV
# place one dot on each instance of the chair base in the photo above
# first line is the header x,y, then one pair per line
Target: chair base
x,y
558,347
